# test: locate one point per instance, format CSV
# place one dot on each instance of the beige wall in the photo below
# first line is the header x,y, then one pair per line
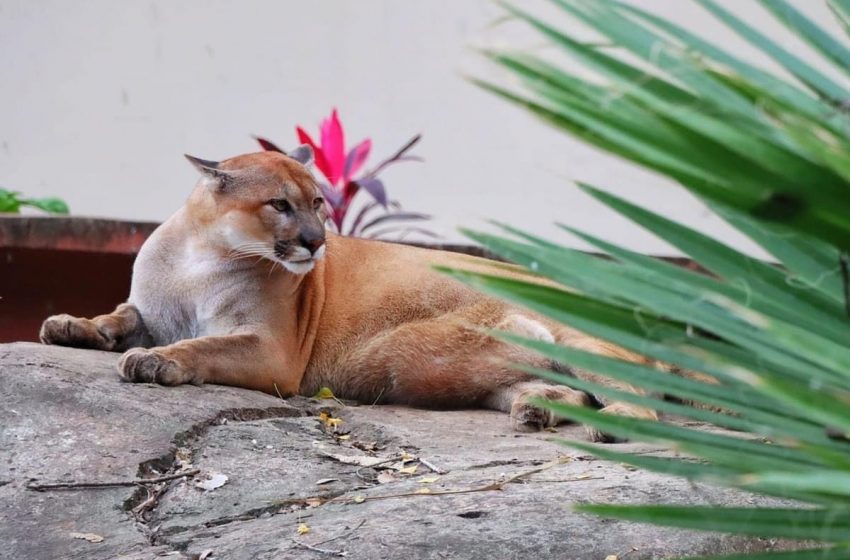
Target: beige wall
x,y
99,99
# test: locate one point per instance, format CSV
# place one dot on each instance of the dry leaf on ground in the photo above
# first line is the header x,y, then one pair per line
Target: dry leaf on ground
x,y
211,481
91,537
324,393
303,529
183,457
326,481
360,460
385,477
365,446
329,420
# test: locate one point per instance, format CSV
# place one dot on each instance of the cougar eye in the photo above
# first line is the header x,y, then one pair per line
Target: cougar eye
x,y
280,204
318,202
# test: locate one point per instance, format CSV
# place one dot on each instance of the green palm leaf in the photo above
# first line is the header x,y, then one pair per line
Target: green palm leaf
x,y
771,157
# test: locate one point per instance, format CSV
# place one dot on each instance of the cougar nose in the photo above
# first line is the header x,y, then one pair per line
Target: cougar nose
x,y
312,242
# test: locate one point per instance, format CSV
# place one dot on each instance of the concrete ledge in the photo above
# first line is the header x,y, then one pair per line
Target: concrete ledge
x,y
65,416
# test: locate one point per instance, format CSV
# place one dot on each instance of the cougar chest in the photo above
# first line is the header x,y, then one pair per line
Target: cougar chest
x,y
221,295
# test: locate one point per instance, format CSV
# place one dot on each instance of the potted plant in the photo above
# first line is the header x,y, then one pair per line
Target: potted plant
x,y
343,177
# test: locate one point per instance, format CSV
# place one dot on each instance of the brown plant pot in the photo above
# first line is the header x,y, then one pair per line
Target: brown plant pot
x,y
49,265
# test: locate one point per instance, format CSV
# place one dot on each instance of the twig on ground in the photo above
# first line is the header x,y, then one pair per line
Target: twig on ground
x,y
315,546
431,466
342,535
340,553
493,486
486,488
148,502
576,479
138,481
360,475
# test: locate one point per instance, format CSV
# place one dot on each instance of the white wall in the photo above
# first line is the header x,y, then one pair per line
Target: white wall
x,y
99,99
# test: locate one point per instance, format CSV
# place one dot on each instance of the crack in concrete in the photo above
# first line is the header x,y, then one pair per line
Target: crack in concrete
x,y
168,464
504,463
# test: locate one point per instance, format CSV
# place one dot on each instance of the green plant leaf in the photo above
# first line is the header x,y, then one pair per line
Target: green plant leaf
x,y
813,263
743,401
832,525
692,469
832,482
772,157
802,70
9,202
51,205
763,82
711,312
841,10
825,553
811,32
721,449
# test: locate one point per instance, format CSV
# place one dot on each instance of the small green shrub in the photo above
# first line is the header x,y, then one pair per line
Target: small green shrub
x,y
11,202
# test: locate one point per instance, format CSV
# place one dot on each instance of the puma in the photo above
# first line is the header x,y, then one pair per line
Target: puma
x,y
243,286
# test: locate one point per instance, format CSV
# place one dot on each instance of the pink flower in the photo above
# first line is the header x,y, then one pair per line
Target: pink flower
x,y
338,167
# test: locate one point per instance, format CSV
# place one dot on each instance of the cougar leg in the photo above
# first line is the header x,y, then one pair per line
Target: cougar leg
x,y
242,360
448,362
609,406
527,416
117,331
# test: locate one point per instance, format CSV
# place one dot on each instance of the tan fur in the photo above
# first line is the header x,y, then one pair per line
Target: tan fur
x,y
214,301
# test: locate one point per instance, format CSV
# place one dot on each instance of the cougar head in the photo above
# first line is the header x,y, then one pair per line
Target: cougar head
x,y
265,204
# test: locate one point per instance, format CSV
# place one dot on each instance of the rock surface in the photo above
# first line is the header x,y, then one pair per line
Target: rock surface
x,y
65,416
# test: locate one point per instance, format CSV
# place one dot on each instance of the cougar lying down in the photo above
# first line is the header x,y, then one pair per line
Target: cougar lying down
x,y
243,286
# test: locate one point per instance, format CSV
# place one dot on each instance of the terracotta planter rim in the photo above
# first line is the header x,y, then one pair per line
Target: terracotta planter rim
x,y
73,233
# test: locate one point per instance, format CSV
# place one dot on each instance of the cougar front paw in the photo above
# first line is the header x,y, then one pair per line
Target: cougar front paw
x,y
65,330
151,366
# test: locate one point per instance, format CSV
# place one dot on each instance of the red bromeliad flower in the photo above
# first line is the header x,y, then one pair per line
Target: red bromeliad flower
x,y
340,169
331,158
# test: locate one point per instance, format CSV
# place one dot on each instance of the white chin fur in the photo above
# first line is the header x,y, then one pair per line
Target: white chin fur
x,y
306,266
298,267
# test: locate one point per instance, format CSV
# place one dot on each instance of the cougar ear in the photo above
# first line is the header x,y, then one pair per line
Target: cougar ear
x,y
210,170
303,154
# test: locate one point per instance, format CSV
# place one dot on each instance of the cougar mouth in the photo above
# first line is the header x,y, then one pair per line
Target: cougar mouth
x,y
300,260
282,250
295,259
